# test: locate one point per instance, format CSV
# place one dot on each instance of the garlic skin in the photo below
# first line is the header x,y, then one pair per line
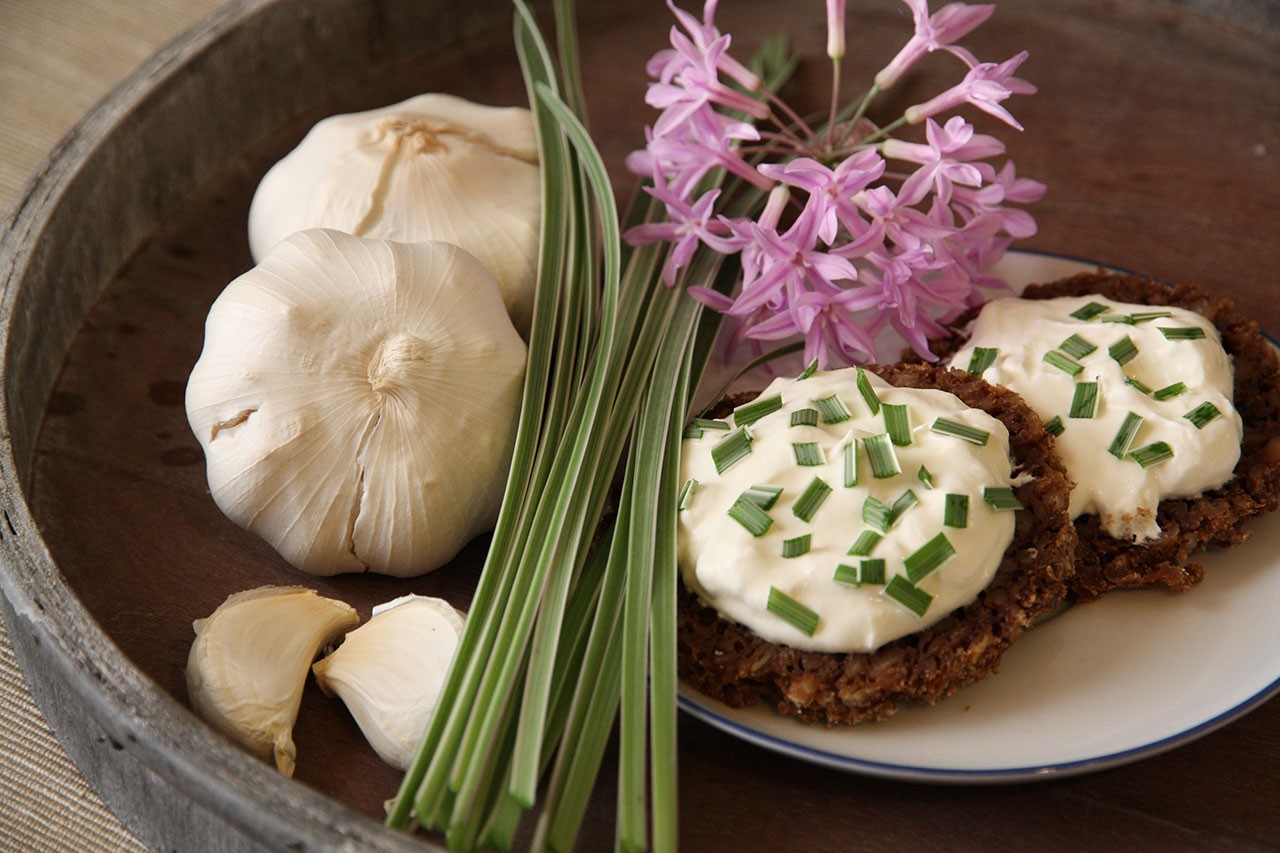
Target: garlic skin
x,y
434,167
249,663
390,670
357,402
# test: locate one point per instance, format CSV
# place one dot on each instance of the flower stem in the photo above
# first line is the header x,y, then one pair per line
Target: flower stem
x,y
835,102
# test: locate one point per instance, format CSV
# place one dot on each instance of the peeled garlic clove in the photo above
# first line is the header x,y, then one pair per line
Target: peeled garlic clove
x,y
357,402
249,662
434,167
389,672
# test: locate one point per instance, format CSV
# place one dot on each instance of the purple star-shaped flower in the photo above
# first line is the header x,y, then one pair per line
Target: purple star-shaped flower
x,y
944,161
937,32
985,87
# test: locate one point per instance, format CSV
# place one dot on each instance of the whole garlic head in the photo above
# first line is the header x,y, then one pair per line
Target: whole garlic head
x,y
249,662
434,167
390,670
357,402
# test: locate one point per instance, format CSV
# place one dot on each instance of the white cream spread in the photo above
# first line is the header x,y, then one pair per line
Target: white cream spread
x,y
734,571
1115,486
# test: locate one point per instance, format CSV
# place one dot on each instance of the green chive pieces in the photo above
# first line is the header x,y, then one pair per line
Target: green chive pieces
x,y
982,358
1063,362
686,493
905,501
1202,414
928,557
807,453
811,500
763,496
955,512
751,412
1077,347
1001,498
1088,312
1124,436
946,426
801,618
865,544
797,546
1054,426
1126,319
833,410
850,454
1152,454
1084,401
1182,333
884,462
709,423
804,417
1144,316
908,595
749,514
846,574
925,478
1168,392
868,393
1123,350
871,571
731,449
1138,384
897,422
810,369
877,513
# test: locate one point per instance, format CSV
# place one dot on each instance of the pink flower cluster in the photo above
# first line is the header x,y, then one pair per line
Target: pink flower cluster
x,y
860,228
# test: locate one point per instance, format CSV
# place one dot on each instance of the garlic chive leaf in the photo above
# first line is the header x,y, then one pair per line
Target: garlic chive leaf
x,y
925,477
686,493
846,574
801,618
732,448
865,544
1088,312
1182,333
955,511
1063,362
905,501
1084,401
797,546
946,426
884,462
710,423
810,369
763,496
1054,426
1001,498
693,431
897,422
747,513
807,453
1138,384
751,412
868,393
1168,392
871,571
1124,435
982,358
804,417
850,453
1077,347
1152,454
1203,414
1123,350
877,513
811,500
928,557
833,410
908,595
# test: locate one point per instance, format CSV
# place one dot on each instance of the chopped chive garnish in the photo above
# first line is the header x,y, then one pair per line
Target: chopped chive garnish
x,y
756,409
1127,319
850,464
1139,384
1084,401
804,417
908,595
925,477
928,557
749,514
865,544
1000,498
693,431
1182,333
811,500
897,423
1144,316
871,571
833,410
946,426
846,574
1202,414
686,493
955,512
905,501
730,449
982,358
884,462
1123,350
868,393
797,546
1063,362
801,618
1124,436
1054,425
1077,347
810,369
709,423
1168,392
877,513
807,453
763,496
1088,312
1152,454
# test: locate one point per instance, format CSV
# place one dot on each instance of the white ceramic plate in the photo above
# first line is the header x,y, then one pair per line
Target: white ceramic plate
x,y
1123,678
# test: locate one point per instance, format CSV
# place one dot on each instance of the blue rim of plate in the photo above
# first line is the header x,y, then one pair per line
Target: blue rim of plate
x,y
703,710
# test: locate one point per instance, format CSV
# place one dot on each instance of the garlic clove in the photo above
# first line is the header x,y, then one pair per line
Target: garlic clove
x,y
390,670
249,662
434,167
357,401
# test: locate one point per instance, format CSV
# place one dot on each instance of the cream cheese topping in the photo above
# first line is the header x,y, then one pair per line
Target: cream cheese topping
x,y
735,571
1123,493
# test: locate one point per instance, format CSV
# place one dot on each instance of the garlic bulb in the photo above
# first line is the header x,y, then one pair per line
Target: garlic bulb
x,y
249,662
390,670
357,402
434,167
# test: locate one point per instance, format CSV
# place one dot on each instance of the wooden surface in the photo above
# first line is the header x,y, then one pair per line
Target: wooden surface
x,y
1158,133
